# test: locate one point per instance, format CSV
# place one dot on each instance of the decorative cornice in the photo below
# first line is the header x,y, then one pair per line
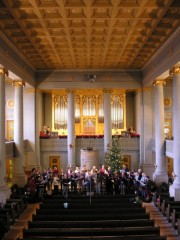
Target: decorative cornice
x,y
147,89
159,82
30,90
40,91
3,71
70,77
139,90
174,70
108,78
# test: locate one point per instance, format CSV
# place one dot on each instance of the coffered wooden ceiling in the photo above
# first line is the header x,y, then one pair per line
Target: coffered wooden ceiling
x,y
84,34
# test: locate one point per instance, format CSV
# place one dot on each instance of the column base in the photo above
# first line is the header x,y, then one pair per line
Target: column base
x,y
5,193
19,179
174,191
159,178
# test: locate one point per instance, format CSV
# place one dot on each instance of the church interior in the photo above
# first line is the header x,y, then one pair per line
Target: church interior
x,y
86,88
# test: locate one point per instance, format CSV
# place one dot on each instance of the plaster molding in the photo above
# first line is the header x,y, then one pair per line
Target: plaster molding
x,y
147,89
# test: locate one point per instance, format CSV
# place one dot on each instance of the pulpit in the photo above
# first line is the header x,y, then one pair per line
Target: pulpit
x,y
89,158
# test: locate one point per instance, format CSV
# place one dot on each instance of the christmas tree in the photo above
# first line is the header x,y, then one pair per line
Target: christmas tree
x,y
114,157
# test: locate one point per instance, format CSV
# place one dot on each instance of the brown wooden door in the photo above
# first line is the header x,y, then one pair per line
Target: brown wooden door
x,y
54,161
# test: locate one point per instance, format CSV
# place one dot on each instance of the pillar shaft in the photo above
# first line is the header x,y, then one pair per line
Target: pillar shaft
x,y
19,165
175,188
176,121
71,129
160,174
4,190
107,119
2,129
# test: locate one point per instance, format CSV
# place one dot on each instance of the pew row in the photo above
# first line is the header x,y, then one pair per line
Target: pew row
x,y
92,224
81,232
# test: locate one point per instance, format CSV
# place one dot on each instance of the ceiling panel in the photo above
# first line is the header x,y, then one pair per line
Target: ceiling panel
x,y
81,34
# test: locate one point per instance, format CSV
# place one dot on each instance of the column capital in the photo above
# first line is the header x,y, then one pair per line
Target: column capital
x,y
159,82
70,91
18,83
174,70
3,71
107,90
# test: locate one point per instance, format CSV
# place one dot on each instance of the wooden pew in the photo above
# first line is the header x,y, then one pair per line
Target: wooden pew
x,y
92,224
94,199
76,217
170,209
165,206
105,218
6,214
21,201
4,227
87,205
99,238
161,197
95,232
178,225
17,206
13,212
174,217
90,210
5,217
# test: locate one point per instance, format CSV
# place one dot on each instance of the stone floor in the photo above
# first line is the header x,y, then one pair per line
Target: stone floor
x,y
165,227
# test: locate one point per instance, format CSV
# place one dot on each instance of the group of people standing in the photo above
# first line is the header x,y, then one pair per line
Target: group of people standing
x,y
85,181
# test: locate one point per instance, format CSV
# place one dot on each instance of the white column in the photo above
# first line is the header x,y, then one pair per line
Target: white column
x,y
18,164
160,175
138,119
146,137
30,127
71,129
138,111
4,190
175,188
39,123
107,119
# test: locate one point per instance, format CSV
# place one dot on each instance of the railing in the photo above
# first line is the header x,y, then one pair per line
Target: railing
x,y
97,143
82,143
